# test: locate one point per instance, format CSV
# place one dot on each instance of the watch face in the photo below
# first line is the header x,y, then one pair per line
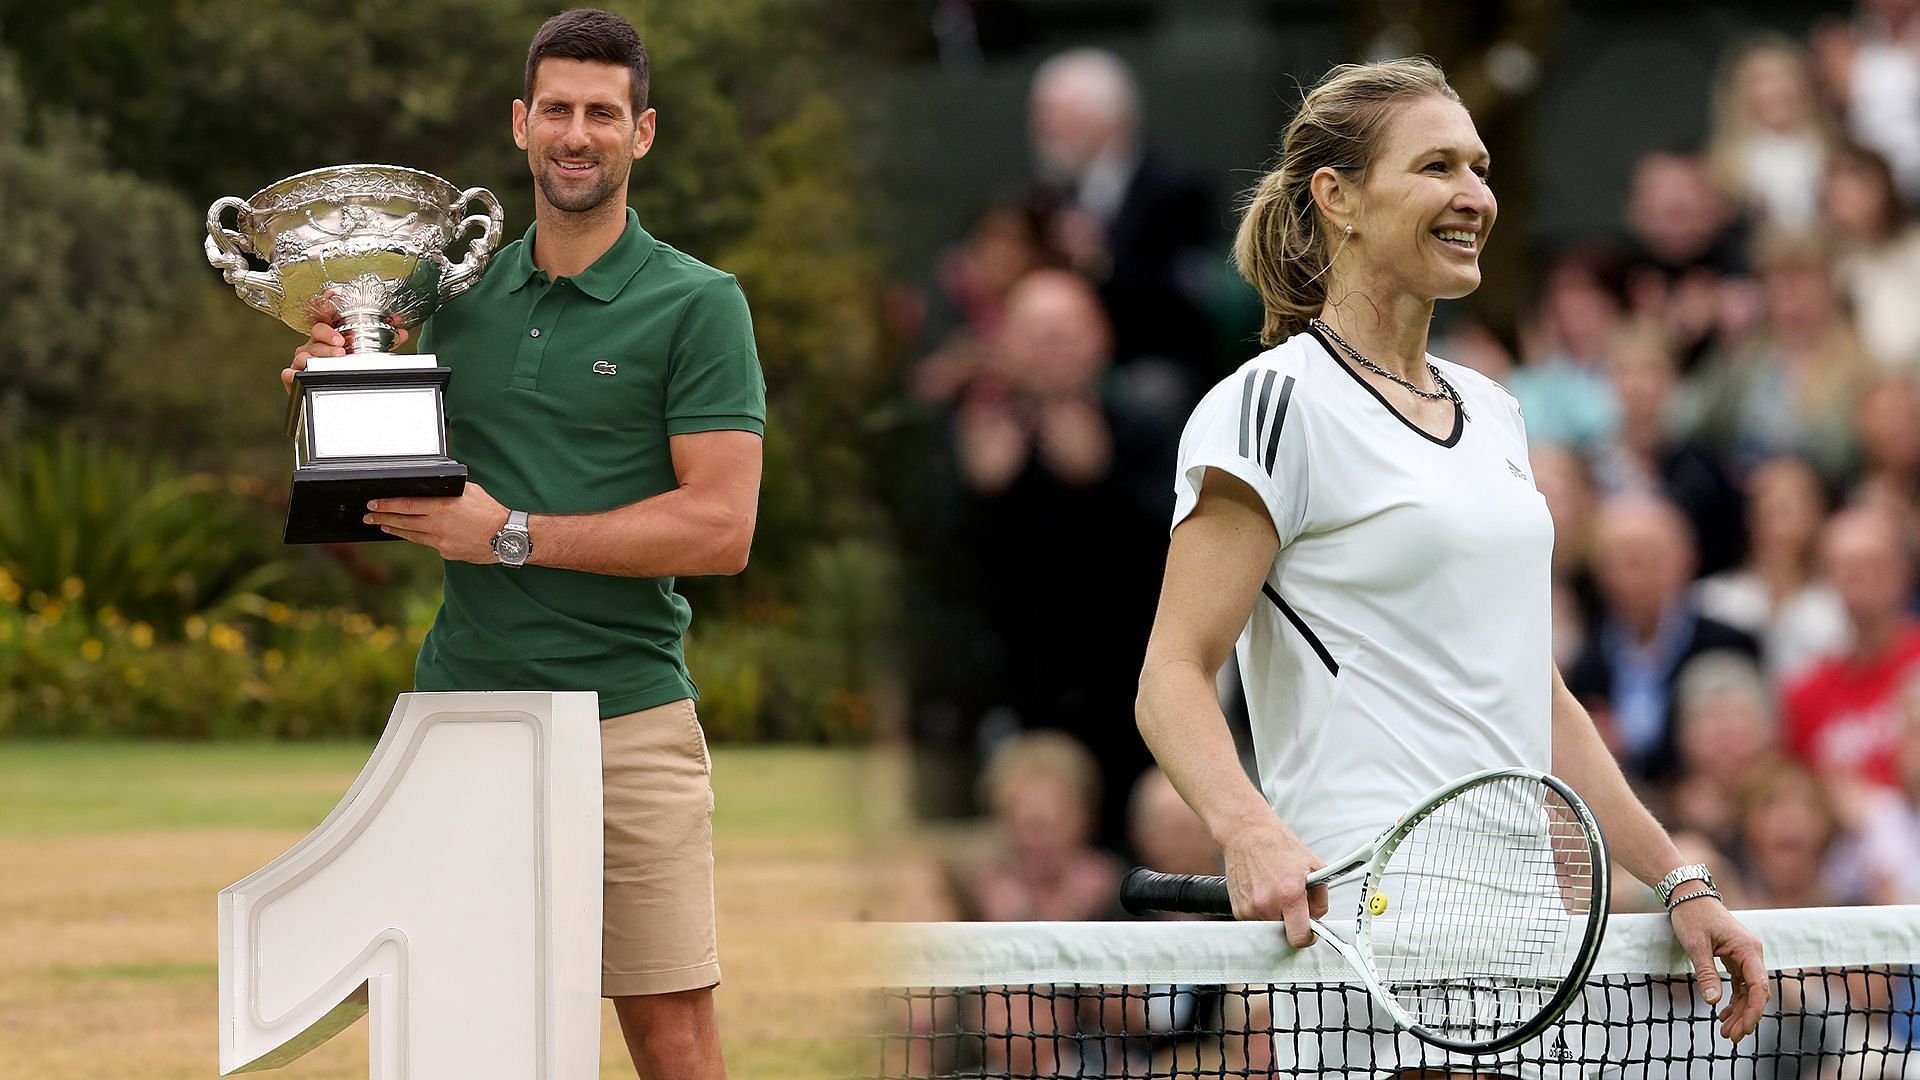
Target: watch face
x,y
511,547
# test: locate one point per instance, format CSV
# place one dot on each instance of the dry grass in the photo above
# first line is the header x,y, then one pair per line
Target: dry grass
x,y
107,931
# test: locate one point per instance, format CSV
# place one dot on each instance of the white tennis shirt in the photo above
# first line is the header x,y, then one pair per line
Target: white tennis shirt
x,y
1402,640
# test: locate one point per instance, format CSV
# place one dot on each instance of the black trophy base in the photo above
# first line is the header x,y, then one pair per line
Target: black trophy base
x,y
328,504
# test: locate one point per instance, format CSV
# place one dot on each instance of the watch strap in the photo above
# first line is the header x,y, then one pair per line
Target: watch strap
x,y
516,527
1690,872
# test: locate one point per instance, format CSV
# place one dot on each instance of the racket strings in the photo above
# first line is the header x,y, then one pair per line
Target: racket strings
x,y
1481,911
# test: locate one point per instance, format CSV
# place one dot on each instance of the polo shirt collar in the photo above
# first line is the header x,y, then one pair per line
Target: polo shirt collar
x,y
609,273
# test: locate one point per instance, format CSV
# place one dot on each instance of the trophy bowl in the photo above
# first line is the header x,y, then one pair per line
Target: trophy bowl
x,y
361,247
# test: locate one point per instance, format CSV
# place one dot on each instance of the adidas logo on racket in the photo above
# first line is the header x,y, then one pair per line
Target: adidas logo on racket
x,y
1481,909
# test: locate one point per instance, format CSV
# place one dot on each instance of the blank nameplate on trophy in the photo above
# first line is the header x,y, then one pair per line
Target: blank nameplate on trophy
x,y
372,362
366,423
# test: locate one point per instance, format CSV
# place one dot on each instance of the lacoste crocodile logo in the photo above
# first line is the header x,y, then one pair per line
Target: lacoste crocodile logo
x,y
605,367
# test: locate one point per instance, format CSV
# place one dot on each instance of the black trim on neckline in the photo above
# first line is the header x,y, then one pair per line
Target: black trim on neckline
x,y
1459,415
1300,624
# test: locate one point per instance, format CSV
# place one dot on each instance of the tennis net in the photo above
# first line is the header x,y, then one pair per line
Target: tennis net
x,y
1215,999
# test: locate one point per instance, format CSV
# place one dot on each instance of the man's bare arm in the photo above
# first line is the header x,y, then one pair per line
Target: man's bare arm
x,y
703,526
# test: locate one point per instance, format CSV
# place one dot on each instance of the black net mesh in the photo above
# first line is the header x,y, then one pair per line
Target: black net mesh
x,y
1822,1023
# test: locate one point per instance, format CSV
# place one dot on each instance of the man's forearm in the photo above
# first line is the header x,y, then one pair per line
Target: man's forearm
x,y
677,533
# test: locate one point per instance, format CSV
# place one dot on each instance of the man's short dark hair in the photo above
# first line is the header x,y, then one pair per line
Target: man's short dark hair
x,y
592,34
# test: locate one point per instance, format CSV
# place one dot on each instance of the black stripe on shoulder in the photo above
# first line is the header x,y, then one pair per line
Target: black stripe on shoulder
x,y
1246,413
1260,417
1279,418
1300,624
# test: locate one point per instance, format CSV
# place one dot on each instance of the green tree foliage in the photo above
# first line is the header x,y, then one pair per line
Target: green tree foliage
x,y
222,97
93,260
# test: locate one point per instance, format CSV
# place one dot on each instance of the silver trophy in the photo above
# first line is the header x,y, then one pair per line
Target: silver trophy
x,y
363,248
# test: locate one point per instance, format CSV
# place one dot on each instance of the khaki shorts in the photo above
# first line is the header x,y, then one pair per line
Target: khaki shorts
x,y
658,925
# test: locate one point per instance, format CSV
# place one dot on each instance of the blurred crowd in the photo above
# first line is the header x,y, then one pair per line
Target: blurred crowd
x,y
1723,401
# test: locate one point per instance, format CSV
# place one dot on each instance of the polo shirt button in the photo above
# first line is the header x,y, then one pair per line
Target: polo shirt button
x,y
535,332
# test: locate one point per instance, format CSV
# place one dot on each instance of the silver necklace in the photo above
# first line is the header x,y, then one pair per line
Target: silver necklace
x,y
1445,393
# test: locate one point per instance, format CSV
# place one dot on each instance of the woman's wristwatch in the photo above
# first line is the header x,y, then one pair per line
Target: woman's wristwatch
x,y
1664,888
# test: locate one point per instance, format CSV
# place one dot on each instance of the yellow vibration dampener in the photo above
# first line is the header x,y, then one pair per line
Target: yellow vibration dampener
x,y
1377,903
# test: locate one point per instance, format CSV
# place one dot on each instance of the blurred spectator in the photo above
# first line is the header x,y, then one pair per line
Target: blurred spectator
x,y
1006,243
1562,387
1879,254
1770,138
1468,341
1791,389
1790,842
1167,835
1840,715
1889,426
1648,453
1890,828
1643,561
1871,69
1567,485
1686,249
1042,788
1725,730
1130,220
1064,464
1776,595
1038,398
1696,848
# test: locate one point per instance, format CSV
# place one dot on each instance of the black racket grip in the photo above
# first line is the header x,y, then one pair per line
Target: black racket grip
x,y
1144,890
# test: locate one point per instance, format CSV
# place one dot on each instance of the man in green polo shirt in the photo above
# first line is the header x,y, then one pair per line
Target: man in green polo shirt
x,y
608,403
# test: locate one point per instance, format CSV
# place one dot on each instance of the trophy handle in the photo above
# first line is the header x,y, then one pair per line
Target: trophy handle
x,y
228,249
462,275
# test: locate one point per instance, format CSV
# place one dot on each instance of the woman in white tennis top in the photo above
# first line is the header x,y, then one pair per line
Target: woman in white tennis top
x,y
1361,518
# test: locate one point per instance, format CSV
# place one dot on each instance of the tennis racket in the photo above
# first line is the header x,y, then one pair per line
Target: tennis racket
x,y
1481,910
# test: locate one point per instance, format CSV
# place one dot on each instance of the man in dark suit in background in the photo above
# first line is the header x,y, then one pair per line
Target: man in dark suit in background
x,y
1649,627
1135,224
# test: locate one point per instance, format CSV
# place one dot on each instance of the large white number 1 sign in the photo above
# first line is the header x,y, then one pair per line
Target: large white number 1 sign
x,y
454,894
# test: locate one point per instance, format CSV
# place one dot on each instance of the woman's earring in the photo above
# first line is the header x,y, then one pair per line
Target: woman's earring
x,y
1349,230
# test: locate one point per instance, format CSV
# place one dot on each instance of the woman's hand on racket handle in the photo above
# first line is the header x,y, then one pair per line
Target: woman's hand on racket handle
x,y
1267,868
1706,929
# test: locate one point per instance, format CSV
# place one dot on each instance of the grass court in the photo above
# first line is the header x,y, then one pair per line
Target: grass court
x,y
111,856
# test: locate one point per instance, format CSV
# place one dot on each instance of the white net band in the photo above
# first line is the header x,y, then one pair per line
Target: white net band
x,y
981,954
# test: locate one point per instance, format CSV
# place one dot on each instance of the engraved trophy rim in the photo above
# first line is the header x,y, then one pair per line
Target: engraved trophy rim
x,y
272,191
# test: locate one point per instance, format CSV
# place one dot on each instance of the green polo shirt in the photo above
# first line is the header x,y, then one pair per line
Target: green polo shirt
x,y
563,397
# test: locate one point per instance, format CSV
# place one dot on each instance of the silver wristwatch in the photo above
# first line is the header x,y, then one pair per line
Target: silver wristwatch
x,y
1690,872
512,544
